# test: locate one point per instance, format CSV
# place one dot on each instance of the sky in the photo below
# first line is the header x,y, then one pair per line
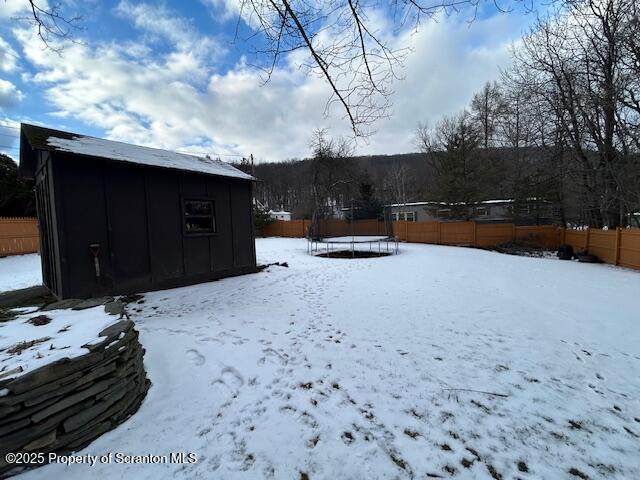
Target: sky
x,y
174,75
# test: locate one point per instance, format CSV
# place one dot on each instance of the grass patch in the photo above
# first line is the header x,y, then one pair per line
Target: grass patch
x,y
411,433
39,320
19,347
577,473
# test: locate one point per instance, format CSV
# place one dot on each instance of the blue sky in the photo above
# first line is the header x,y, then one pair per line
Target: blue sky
x,y
169,74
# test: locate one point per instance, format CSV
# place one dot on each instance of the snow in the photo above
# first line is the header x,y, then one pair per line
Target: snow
x,y
62,337
356,238
99,147
376,368
20,271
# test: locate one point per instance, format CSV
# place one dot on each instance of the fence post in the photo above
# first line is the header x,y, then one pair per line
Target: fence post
x,y
439,229
475,234
513,232
618,235
586,240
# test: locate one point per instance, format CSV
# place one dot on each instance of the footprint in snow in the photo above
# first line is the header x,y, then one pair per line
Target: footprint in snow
x,y
230,381
196,357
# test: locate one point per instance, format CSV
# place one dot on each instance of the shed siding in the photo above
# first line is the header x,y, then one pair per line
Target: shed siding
x,y
127,217
47,220
165,235
242,226
197,258
135,214
84,222
221,245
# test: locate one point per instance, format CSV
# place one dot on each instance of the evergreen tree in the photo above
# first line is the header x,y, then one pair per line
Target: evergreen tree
x,y
17,198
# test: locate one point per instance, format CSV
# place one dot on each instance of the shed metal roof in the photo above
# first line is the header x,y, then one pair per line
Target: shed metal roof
x,y
40,138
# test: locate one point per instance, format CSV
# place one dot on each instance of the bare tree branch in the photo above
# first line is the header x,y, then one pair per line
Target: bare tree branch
x,y
51,24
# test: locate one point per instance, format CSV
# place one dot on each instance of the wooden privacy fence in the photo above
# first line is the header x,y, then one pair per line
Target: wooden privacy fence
x,y
282,228
477,234
18,236
618,247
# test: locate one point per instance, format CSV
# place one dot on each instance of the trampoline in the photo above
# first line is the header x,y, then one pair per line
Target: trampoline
x,y
358,232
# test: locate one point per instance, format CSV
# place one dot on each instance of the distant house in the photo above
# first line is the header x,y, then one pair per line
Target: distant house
x,y
280,215
117,218
529,211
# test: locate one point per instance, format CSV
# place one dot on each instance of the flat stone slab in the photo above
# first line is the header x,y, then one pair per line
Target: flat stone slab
x,y
92,302
23,295
62,304
115,307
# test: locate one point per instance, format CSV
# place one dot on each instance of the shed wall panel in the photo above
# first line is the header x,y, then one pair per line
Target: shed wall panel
x,y
84,216
221,244
127,217
197,255
243,243
165,225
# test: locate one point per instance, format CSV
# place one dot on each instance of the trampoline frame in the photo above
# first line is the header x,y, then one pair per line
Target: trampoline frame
x,y
315,237
329,243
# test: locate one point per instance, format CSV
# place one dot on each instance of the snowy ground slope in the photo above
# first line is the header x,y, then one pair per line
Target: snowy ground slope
x,y
20,271
25,345
367,369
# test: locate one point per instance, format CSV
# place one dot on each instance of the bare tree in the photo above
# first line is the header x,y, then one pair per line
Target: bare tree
x,y
573,60
331,180
397,183
51,22
487,106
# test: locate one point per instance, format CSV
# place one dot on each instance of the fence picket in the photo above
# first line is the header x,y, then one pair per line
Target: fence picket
x,y
18,236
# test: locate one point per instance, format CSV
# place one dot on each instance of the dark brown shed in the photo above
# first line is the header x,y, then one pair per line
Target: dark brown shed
x,y
118,218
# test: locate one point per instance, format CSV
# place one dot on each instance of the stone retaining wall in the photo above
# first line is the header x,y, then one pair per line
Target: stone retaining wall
x,y
66,404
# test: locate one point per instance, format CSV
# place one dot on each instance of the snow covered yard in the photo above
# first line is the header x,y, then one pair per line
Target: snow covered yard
x,y
20,271
377,368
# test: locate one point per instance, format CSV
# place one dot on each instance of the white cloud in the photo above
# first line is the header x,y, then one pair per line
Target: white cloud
x,y
163,101
223,9
447,66
10,96
159,23
14,8
8,57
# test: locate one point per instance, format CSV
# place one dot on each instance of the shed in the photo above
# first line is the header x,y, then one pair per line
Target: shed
x,y
117,218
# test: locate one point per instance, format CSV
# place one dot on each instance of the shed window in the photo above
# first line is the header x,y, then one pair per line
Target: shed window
x,y
199,216
481,211
411,216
